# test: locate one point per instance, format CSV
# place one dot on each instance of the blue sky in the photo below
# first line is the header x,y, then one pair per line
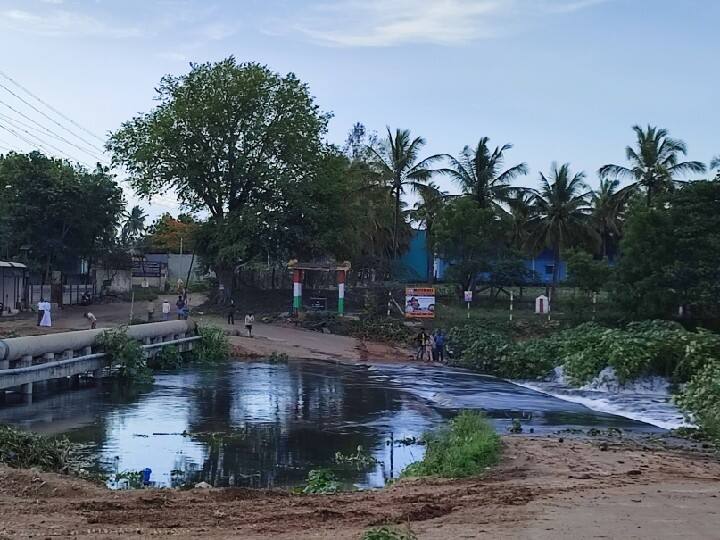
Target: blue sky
x,y
563,80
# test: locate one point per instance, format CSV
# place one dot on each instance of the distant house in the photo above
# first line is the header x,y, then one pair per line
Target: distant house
x,y
13,285
414,264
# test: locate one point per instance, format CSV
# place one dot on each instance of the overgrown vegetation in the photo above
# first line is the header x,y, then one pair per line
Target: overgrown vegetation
x,y
214,346
23,450
321,482
388,533
125,354
467,447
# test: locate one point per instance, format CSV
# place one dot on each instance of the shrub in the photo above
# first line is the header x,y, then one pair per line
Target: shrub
x,y
388,533
125,354
701,398
321,481
465,448
168,357
214,346
23,450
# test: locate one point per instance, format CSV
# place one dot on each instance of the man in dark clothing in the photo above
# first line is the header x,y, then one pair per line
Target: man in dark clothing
x,y
439,346
421,339
231,312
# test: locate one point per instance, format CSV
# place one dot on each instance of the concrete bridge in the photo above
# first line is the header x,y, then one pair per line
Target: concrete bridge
x,y
32,359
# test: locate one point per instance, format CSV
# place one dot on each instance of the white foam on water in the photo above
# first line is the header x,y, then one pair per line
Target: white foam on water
x,y
645,400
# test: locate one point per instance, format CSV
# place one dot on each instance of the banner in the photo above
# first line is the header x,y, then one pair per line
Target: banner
x,y
420,303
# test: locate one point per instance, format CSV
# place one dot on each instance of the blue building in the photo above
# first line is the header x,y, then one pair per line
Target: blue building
x,y
414,264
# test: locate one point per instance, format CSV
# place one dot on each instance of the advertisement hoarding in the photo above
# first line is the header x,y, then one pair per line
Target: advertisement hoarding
x,y
420,303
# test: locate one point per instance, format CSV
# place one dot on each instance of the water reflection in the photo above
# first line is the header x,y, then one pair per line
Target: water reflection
x,y
262,425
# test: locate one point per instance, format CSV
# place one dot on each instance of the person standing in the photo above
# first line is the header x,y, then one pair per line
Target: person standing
x,y
421,340
249,320
150,310
46,320
430,348
439,346
166,310
40,310
93,320
231,312
180,305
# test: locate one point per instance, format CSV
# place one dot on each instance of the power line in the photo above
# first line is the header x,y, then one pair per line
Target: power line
x,y
51,107
41,144
49,132
25,140
33,107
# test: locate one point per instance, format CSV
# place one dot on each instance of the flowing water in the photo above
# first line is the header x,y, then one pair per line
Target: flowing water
x,y
265,424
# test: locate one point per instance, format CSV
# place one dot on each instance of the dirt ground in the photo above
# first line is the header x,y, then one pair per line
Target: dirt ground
x,y
544,489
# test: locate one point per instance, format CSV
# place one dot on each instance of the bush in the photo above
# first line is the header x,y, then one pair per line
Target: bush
x,y
214,346
388,533
321,482
465,448
125,354
167,357
23,450
701,398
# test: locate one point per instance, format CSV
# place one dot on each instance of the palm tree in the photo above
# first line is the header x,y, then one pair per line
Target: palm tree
x,y
426,212
655,163
478,172
520,214
561,207
608,208
396,162
715,164
134,224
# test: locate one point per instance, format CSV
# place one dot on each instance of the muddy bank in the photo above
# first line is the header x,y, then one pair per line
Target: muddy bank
x,y
543,489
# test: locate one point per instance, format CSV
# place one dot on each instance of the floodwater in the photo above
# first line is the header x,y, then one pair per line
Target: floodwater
x,y
263,424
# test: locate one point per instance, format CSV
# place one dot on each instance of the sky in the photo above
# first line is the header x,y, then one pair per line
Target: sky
x,y
562,80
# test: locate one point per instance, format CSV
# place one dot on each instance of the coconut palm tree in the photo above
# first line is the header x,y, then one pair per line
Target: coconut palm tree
x,y
426,212
608,209
396,161
519,215
134,224
561,213
655,164
479,173
715,164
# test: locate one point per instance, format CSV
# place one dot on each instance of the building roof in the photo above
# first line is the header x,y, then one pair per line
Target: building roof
x,y
7,264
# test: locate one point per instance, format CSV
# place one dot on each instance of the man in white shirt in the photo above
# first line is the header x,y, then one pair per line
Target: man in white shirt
x,y
249,320
166,310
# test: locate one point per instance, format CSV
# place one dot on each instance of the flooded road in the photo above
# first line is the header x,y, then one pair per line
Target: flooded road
x,y
263,424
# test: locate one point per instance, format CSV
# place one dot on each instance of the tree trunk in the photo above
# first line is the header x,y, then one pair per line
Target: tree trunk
x,y
556,267
396,223
430,255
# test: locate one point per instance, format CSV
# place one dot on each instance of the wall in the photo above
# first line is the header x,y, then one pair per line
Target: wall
x,y
413,263
121,280
178,266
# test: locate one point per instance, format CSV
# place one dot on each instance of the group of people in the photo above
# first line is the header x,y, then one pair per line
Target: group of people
x,y
249,318
430,346
43,313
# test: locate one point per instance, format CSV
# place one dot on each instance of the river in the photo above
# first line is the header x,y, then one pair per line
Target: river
x,y
263,424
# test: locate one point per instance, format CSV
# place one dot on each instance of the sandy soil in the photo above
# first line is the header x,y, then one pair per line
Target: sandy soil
x,y
544,489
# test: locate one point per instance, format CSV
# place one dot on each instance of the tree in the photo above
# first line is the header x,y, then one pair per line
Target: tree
x,y
232,140
671,255
715,164
655,164
519,218
57,213
478,172
169,235
471,238
608,209
134,225
426,212
396,162
586,272
561,215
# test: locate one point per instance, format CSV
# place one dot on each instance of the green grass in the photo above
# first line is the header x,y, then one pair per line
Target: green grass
x,y
23,450
388,533
467,447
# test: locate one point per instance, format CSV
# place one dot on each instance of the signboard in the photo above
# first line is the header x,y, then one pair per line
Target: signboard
x,y
420,303
468,296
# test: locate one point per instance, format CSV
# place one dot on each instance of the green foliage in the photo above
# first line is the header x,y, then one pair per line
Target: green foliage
x,y
278,358
168,357
361,459
86,207
214,346
23,450
671,255
321,482
125,354
467,447
587,273
388,533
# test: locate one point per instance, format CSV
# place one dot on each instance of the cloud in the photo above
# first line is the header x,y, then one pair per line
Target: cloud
x,y
216,31
61,23
382,23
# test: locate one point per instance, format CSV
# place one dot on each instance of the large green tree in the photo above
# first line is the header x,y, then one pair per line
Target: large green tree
x,y
608,209
134,225
715,164
57,213
479,173
561,213
671,255
233,140
426,212
396,161
655,162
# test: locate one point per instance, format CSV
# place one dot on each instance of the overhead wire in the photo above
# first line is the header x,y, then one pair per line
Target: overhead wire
x,y
42,144
73,122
